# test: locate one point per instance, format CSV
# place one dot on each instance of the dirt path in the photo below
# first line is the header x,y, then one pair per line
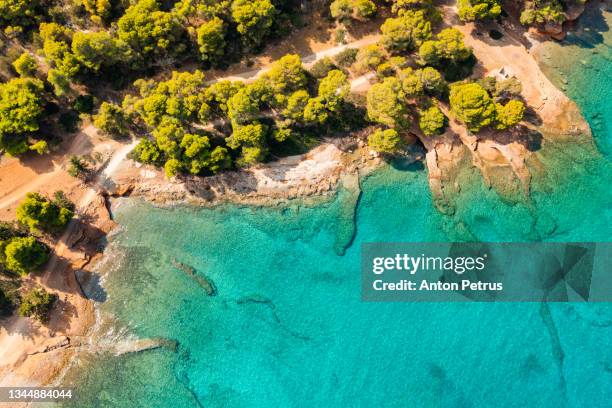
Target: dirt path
x,y
33,174
308,59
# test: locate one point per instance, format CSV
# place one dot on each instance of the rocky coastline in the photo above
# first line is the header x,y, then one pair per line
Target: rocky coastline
x,y
500,157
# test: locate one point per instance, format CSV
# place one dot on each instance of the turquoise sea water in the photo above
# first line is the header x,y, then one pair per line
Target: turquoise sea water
x,y
288,329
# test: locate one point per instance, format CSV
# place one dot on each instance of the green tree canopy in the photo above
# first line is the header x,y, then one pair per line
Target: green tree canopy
x,y
508,88
541,12
471,104
411,83
244,105
286,75
99,10
341,10
97,49
433,82
150,33
368,58
333,89
20,112
510,114
392,66
182,97
405,32
198,155
17,12
111,120
251,139
296,103
447,47
344,10
56,47
25,254
40,213
219,93
315,111
386,103
399,5
471,10
253,18
431,121
146,151
385,141
211,39
25,65
346,58
364,9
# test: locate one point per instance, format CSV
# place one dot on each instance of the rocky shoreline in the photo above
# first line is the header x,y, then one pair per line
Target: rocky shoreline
x,y
310,175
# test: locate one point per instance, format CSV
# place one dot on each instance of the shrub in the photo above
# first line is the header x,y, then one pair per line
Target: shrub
x,y
37,303
84,103
70,121
346,58
6,306
77,167
321,68
111,120
9,296
40,147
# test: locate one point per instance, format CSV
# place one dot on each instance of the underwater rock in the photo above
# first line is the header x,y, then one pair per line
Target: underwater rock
x,y
140,345
205,283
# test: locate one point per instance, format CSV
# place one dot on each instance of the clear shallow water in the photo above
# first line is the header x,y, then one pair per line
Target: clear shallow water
x,y
287,328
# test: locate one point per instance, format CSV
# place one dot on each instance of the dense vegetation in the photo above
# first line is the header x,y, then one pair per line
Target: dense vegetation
x,y
533,12
413,62
283,106
20,113
200,128
477,108
54,52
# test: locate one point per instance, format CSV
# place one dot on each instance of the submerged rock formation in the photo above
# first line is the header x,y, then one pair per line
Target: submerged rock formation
x,y
205,283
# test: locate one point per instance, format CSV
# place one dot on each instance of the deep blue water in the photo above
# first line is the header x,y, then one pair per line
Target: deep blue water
x,y
288,329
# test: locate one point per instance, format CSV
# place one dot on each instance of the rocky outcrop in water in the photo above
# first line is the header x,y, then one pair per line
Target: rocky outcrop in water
x,y
205,283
